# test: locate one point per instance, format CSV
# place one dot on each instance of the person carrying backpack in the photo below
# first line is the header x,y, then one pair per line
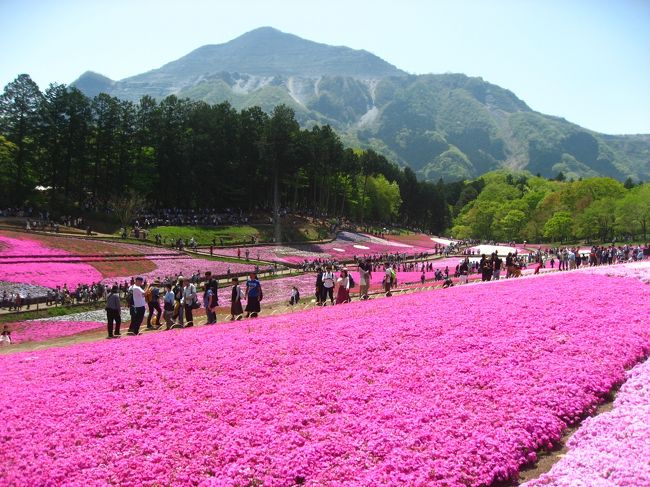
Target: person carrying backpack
x,y
153,302
388,279
210,302
179,311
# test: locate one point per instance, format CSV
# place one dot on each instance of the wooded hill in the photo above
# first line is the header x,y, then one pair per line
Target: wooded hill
x,y
440,125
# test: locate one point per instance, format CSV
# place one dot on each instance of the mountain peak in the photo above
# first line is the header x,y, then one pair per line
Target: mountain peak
x,y
267,51
92,83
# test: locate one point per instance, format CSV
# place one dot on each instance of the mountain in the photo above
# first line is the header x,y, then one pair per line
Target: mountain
x,y
448,125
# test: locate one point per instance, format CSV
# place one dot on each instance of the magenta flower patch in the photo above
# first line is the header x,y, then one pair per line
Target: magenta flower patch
x,y
613,448
459,387
38,331
49,274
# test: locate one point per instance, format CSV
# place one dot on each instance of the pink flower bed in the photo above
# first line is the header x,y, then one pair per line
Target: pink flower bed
x,y
49,274
420,389
613,448
344,248
636,270
38,331
185,266
421,240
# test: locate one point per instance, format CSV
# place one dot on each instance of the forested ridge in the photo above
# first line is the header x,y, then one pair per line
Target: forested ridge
x,y
182,153
70,152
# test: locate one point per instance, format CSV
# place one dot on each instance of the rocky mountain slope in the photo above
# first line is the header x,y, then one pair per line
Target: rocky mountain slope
x,y
447,125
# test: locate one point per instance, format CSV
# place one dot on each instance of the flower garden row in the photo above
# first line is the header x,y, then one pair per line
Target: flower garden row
x,y
60,269
613,448
345,247
40,331
460,387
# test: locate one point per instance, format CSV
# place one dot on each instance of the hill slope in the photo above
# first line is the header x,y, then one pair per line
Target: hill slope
x,y
448,125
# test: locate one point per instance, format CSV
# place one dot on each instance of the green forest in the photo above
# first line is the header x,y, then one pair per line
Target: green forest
x,y
71,153
518,207
88,153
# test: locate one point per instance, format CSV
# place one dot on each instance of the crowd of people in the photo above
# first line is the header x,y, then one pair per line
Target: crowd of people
x,y
58,296
179,299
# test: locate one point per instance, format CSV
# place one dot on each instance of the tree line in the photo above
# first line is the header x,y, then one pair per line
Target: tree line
x,y
79,152
518,206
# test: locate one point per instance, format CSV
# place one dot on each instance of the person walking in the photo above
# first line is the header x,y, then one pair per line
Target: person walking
x,y
343,292
253,296
190,303
113,313
168,305
319,286
295,296
365,275
497,264
210,302
328,286
463,271
179,311
153,302
137,316
236,310
388,279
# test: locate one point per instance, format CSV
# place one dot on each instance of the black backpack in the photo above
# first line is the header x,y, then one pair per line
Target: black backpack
x,y
351,281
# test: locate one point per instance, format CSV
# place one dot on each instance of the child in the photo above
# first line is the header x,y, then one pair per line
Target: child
x,y
236,310
5,338
295,296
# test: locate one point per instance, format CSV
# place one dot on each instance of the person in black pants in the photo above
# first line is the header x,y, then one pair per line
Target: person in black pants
x,y
138,307
154,305
113,312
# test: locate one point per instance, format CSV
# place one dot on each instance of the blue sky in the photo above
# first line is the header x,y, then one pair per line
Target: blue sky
x,y
585,60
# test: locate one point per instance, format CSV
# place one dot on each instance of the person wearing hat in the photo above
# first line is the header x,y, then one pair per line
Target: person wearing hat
x,y
113,312
139,305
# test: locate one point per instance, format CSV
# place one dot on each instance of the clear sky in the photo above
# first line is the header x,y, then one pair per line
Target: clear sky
x,y
585,60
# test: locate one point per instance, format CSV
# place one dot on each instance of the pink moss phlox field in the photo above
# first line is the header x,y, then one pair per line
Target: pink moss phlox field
x,y
613,448
38,331
450,387
344,248
185,265
636,270
50,274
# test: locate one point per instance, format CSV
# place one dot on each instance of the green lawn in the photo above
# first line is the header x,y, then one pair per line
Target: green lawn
x,y
238,234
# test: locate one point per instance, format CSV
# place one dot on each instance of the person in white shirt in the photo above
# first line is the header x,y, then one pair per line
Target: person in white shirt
x,y
388,279
138,305
190,301
168,305
328,286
